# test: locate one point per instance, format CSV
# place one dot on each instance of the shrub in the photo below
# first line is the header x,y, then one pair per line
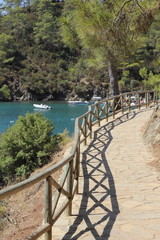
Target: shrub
x,y
26,145
2,210
5,92
64,137
2,214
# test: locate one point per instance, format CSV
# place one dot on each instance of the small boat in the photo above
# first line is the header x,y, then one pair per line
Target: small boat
x,y
78,102
95,98
41,106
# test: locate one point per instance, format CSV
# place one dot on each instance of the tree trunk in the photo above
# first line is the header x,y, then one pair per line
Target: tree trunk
x,y
113,76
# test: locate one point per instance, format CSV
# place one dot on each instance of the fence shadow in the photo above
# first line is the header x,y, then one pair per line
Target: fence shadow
x,y
99,206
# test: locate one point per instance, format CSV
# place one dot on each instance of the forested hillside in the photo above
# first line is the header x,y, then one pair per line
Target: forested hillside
x,y
39,60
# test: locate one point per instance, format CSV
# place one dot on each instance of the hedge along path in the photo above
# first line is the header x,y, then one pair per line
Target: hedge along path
x,y
69,183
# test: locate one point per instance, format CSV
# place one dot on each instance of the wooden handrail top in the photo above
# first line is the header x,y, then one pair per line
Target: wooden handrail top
x,y
6,192
84,115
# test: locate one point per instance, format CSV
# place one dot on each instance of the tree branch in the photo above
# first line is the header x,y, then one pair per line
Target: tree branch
x,y
136,1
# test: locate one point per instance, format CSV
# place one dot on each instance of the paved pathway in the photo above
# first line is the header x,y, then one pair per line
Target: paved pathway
x,y
119,195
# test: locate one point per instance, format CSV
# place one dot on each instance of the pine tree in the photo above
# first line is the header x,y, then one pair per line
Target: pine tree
x,y
109,30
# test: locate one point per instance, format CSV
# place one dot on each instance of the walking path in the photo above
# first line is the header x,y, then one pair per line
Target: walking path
x,y
119,193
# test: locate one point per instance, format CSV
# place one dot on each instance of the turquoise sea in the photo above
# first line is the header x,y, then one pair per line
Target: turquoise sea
x,y
62,114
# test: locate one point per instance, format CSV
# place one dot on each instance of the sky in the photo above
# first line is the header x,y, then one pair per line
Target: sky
x,y
1,1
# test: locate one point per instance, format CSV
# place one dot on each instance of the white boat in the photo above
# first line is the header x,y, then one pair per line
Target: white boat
x,y
95,98
41,106
79,102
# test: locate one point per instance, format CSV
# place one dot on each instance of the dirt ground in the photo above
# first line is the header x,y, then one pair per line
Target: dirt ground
x,y
24,210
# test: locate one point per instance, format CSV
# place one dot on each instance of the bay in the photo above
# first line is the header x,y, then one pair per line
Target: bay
x,y
62,114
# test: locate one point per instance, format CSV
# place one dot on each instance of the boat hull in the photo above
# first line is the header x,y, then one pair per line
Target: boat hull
x,y
41,106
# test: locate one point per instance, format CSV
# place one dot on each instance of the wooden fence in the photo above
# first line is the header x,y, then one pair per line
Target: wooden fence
x,y
68,184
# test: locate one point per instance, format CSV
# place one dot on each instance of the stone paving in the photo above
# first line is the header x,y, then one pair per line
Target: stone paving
x,y
119,192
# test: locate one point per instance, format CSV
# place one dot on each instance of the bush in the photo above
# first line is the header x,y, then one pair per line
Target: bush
x,y
5,92
2,210
2,214
64,136
27,145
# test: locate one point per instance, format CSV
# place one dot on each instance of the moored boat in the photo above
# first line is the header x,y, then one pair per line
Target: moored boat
x,y
95,98
79,102
41,106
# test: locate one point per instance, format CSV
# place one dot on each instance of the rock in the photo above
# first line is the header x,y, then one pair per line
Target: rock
x,y
152,134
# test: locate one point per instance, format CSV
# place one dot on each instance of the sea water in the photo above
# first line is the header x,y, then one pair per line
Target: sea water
x,y
61,114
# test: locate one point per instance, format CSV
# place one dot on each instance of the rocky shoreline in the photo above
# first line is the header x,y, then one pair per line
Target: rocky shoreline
x,y
13,93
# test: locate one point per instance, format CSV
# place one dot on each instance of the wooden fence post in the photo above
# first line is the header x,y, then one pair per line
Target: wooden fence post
x,y
70,186
107,106
90,124
129,103
97,113
146,99
122,107
139,105
85,130
154,97
77,167
48,207
157,96
113,108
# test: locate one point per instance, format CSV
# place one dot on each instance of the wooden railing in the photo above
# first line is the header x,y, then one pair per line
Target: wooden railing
x,y
68,184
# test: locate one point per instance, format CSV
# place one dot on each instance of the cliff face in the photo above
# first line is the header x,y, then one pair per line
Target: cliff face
x,y
152,135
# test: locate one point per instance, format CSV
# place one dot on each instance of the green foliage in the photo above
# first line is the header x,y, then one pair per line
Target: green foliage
x,y
26,146
80,89
128,82
2,210
105,27
2,214
5,92
135,85
35,61
38,64
124,82
152,82
64,138
126,73
46,30
108,30
7,48
143,73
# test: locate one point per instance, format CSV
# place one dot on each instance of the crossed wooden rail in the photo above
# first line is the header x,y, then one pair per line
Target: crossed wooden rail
x,y
68,183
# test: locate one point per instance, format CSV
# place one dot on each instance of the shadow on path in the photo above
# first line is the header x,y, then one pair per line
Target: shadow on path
x,y
99,206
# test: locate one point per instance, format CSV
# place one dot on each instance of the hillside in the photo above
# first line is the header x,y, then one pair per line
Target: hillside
x,y
152,135
37,63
